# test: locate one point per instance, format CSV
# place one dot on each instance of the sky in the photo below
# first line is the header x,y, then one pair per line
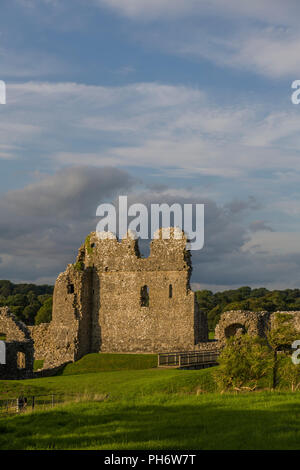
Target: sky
x,y
185,101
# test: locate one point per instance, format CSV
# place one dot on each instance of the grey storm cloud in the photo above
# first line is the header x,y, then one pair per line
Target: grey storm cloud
x,y
71,192
237,205
43,225
260,225
223,235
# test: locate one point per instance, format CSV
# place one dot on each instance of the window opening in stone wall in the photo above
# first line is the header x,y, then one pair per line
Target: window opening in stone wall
x,y
170,291
145,296
71,289
2,337
21,360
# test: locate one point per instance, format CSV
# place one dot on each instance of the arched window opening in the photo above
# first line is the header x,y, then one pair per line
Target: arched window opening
x,y
234,329
21,360
170,291
145,296
70,288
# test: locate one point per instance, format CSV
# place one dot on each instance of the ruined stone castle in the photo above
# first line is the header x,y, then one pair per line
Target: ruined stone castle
x,y
112,299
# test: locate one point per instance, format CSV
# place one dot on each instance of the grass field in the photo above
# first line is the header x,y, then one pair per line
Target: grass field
x,y
148,408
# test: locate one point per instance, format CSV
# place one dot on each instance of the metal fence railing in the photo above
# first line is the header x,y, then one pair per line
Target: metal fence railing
x,y
188,358
25,403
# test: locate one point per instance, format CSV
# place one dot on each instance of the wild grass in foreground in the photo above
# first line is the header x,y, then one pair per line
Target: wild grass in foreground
x,y
263,420
148,408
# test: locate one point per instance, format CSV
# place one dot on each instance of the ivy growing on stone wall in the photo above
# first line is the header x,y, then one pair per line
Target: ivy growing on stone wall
x,y
79,266
88,247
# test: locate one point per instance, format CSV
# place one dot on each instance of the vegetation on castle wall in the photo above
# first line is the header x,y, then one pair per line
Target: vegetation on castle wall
x,y
79,266
88,247
247,362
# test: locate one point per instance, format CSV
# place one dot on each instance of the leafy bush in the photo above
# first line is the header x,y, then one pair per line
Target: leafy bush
x,y
244,362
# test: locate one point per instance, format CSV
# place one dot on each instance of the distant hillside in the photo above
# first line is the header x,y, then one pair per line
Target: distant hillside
x,y
246,298
29,302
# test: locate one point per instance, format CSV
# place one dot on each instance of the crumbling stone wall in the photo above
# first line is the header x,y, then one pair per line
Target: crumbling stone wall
x,y
68,336
239,322
18,346
254,323
97,302
13,329
41,339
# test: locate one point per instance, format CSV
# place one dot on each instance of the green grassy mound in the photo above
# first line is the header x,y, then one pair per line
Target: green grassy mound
x,y
108,362
119,385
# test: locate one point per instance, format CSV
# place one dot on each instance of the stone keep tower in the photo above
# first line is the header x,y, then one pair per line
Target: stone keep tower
x,y
114,300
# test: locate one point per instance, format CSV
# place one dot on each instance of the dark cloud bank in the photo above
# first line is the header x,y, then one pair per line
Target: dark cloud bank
x,y
43,225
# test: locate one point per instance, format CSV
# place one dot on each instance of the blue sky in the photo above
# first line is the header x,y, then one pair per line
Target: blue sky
x,y
165,100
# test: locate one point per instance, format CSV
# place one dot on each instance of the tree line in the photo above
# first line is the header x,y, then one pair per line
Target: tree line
x,y
30,303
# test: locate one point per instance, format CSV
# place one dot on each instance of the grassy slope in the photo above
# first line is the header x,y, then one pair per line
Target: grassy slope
x,y
124,384
109,362
150,409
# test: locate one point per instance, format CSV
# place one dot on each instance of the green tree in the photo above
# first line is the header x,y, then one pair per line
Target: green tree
x,y
30,312
42,298
44,314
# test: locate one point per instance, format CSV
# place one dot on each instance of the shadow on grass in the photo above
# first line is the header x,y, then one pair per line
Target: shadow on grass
x,y
219,425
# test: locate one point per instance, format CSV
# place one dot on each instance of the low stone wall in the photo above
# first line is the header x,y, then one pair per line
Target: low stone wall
x,y
207,346
49,372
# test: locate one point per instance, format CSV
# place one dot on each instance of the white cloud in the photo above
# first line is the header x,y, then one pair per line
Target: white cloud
x,y
274,243
260,36
273,52
149,125
290,207
262,10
